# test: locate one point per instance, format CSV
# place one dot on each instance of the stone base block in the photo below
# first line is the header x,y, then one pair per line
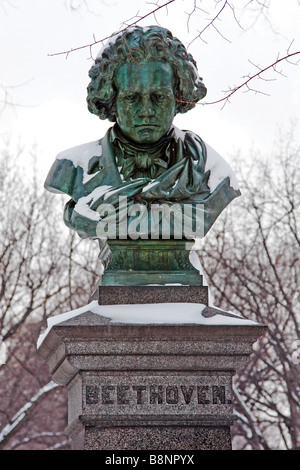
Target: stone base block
x,y
156,438
148,386
128,295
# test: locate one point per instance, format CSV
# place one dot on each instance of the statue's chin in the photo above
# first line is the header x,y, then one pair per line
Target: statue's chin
x,y
145,135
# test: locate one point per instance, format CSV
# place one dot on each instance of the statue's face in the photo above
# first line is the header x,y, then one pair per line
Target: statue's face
x,y
145,100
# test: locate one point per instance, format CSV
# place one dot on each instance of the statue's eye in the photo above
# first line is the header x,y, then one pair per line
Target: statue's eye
x,y
159,96
130,97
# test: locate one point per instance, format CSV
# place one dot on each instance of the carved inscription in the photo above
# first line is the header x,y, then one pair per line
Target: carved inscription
x,y
109,394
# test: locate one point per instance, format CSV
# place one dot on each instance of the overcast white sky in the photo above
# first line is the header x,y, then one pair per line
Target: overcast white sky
x,y
52,89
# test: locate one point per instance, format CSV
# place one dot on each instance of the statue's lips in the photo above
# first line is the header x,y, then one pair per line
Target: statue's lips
x,y
144,126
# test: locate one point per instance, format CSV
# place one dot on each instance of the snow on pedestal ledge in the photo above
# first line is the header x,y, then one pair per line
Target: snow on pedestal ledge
x,y
150,314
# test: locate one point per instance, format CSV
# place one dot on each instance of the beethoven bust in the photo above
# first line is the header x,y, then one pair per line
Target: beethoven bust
x,y
141,79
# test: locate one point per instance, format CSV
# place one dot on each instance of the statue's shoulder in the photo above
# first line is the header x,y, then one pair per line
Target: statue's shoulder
x,y
218,168
81,154
183,134
67,172
190,139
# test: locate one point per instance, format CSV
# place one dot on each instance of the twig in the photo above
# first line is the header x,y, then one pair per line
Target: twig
x,y
192,12
208,24
89,46
256,75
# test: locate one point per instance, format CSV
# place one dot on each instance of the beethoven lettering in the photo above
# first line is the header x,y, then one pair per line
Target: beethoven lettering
x,y
157,395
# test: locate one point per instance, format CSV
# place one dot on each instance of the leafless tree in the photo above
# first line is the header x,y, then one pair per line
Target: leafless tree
x,y
252,262
33,410
44,271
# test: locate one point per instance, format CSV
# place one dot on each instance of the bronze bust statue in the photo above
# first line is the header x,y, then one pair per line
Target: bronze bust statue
x,y
141,79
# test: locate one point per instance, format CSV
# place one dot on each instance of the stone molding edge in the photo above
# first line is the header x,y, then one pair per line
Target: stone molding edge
x,y
115,421
64,365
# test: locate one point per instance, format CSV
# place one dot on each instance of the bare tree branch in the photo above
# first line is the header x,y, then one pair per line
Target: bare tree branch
x,y
245,85
133,23
252,263
23,413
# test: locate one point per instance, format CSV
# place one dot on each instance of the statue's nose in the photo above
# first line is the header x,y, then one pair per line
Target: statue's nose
x,y
146,108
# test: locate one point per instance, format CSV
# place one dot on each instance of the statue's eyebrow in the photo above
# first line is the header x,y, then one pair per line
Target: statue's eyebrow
x,y
163,88
123,91
133,90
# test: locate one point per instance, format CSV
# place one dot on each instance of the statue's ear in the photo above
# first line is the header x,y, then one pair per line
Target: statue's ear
x,y
101,109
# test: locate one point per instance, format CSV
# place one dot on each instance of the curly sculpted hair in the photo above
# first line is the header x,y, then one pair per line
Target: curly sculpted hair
x,y
147,44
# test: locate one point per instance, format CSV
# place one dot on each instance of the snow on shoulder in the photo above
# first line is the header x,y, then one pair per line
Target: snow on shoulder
x,y
219,170
81,155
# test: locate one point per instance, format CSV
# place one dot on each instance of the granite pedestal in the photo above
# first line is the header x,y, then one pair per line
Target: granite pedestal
x,y
134,384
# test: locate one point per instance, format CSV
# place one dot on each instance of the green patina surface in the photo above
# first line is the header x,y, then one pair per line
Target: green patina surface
x,y
144,262
140,81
